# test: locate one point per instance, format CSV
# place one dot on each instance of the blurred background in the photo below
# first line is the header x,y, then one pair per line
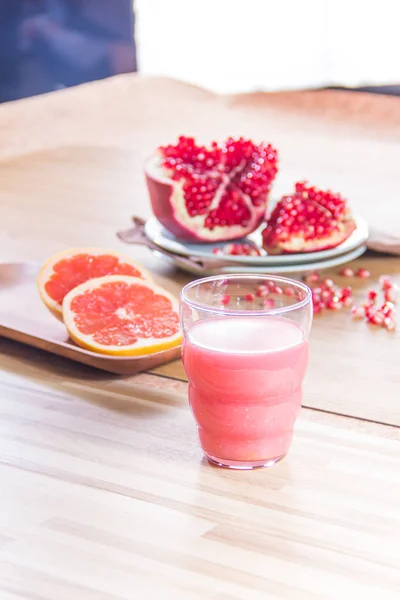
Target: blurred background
x,y
50,44
227,46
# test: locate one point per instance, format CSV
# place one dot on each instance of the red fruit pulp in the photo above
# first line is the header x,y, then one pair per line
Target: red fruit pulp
x,y
306,221
211,193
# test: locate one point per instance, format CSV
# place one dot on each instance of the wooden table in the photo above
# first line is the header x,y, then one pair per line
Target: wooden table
x,y
104,494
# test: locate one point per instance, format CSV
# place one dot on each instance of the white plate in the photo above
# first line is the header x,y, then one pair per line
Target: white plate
x,y
160,236
282,269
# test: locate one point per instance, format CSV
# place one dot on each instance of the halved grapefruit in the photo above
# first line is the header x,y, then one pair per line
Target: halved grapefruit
x,y
122,316
64,271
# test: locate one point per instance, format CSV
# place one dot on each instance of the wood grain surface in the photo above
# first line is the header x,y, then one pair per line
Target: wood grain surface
x,y
104,493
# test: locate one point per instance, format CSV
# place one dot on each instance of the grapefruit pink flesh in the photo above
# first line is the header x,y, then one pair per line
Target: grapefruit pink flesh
x,y
122,315
65,271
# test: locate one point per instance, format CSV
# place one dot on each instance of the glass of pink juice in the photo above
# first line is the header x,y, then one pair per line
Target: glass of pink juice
x,y
245,354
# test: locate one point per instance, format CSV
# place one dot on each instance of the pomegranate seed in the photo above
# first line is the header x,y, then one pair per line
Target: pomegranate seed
x,y
278,290
239,250
347,272
288,291
269,303
312,277
217,251
310,217
249,297
317,308
345,293
358,312
300,296
388,308
390,295
368,304
326,295
335,303
386,282
271,285
370,308
363,273
372,295
389,324
262,291
329,283
217,182
225,299
377,319
370,315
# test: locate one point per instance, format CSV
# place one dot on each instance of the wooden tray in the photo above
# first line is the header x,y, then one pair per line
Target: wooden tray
x,y
25,319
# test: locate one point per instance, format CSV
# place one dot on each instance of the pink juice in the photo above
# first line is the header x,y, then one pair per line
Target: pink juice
x,y
245,377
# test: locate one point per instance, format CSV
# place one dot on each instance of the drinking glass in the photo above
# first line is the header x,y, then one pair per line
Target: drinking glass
x,y
245,353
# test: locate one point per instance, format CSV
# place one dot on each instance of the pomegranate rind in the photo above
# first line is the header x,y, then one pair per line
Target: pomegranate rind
x,y
48,269
143,347
301,246
168,205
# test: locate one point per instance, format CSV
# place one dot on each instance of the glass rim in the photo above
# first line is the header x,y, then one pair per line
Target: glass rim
x,y
245,313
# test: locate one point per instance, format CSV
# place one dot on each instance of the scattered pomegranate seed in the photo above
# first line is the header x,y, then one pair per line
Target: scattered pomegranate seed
x,y
368,304
317,300
262,291
326,295
271,285
370,312
249,297
335,303
278,290
225,299
238,250
329,283
346,292
390,295
312,278
288,291
388,308
389,324
269,303
377,318
386,282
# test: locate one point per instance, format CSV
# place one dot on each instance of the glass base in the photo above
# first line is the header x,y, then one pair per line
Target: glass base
x,y
243,465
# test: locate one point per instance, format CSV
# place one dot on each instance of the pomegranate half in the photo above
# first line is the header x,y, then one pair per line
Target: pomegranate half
x,y
211,194
306,221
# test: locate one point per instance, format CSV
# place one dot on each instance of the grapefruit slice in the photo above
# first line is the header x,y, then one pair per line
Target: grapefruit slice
x,y
122,316
66,270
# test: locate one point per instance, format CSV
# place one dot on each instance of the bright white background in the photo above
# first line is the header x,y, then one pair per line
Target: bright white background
x,y
245,45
